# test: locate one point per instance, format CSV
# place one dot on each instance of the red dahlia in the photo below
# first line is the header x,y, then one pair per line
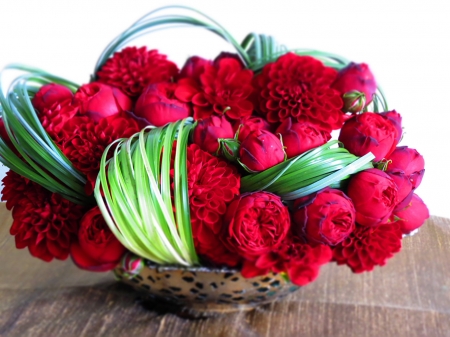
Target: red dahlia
x,y
212,185
44,222
368,247
133,69
299,87
86,140
54,118
223,89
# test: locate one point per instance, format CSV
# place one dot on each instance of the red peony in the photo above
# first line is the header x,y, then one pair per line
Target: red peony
x,y
261,150
85,141
374,195
223,89
369,132
396,119
299,87
194,67
49,94
301,137
255,223
133,69
299,260
212,185
157,105
368,247
97,100
43,221
326,217
246,125
208,131
412,216
97,248
355,77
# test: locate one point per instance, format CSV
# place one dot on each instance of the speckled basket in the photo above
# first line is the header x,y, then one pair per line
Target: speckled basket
x,y
206,290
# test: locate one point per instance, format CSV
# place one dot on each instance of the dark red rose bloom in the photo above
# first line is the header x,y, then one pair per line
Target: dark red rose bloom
x,y
396,119
369,132
326,217
86,140
255,223
157,105
299,87
97,248
261,150
49,94
299,260
374,195
223,89
226,55
194,67
54,117
212,185
42,221
132,69
368,247
301,137
412,216
355,77
97,100
209,130
247,125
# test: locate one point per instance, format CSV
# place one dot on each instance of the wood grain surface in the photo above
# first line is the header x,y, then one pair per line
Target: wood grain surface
x,y
410,297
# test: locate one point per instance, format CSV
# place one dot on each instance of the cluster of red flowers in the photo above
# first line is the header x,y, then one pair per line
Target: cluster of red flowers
x,y
246,123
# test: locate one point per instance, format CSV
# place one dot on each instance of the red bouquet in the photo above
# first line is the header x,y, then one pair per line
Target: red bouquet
x,y
224,163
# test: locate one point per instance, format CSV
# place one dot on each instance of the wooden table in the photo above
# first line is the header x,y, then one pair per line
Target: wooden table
x,y
408,297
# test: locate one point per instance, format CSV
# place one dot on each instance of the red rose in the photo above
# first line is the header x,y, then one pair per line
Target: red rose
x,y
368,247
50,94
299,87
212,185
133,69
256,223
301,137
355,77
97,248
369,132
222,90
157,105
247,125
209,130
261,150
407,167
327,217
194,67
97,100
374,195
413,215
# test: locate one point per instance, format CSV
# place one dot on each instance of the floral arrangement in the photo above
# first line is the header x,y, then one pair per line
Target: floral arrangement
x,y
223,163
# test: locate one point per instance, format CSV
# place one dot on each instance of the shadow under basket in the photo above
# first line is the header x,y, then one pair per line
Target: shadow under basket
x,y
205,290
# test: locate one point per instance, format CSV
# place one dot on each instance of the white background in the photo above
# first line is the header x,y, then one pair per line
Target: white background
x,y
406,44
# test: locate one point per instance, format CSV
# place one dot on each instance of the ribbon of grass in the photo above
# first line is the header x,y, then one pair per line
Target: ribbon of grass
x,y
316,169
40,159
133,191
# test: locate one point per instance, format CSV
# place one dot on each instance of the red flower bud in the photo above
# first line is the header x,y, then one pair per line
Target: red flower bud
x,y
97,248
261,150
247,125
301,137
158,106
374,195
413,215
369,132
97,100
209,130
355,77
326,217
194,67
49,94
